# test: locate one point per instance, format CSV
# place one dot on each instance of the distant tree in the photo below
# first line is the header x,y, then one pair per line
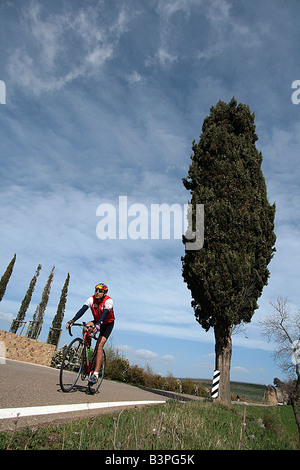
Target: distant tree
x,y
25,302
227,275
283,328
36,326
6,276
54,333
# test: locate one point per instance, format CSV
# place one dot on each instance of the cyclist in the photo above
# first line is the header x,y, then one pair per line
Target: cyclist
x,y
101,306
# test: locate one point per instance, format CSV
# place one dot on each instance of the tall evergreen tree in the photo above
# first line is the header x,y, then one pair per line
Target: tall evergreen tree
x,y
227,276
53,336
36,326
25,302
6,276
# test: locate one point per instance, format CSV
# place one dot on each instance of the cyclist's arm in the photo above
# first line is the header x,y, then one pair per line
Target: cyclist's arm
x,y
103,316
107,308
80,313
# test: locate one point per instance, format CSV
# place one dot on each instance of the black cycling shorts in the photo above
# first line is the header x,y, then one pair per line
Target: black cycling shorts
x,y
105,330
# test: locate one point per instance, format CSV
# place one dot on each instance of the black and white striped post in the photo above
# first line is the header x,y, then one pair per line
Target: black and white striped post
x,y
215,384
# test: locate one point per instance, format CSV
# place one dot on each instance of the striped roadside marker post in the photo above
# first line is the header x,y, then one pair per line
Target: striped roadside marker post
x,y
215,384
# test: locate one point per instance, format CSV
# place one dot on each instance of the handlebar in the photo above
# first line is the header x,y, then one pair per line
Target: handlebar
x,y
83,324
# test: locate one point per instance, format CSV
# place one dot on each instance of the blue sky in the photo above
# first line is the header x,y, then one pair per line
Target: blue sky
x,y
104,99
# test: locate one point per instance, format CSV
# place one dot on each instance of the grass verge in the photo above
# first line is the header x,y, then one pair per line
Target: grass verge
x,y
172,426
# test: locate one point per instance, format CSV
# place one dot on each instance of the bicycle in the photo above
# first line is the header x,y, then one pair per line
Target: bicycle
x,y
79,361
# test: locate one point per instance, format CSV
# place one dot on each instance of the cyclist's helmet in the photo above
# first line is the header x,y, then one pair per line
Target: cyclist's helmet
x,y
102,287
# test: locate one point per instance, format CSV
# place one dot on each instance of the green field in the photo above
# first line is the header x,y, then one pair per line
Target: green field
x,y
246,391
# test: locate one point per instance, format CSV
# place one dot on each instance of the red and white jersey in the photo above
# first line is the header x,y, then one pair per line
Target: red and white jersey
x,y
97,308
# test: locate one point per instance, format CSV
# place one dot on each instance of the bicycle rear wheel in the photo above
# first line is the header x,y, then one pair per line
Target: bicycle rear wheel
x,y
71,365
93,388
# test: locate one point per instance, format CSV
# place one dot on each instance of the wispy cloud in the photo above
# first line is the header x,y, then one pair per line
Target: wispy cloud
x,y
168,359
168,8
145,355
6,317
223,31
81,36
135,77
240,370
138,353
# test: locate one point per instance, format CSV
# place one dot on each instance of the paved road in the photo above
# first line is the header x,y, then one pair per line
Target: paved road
x,y
29,385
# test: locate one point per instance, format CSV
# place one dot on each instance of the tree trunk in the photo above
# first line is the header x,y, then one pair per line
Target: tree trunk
x,y
223,349
294,397
296,414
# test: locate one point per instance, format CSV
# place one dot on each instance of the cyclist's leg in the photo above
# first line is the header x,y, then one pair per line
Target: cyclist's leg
x,y
99,355
105,332
93,379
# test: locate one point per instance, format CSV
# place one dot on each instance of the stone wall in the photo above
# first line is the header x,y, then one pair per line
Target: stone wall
x,y
26,349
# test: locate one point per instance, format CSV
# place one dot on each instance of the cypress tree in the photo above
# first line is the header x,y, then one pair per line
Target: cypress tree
x,y
6,276
53,336
227,276
25,302
35,329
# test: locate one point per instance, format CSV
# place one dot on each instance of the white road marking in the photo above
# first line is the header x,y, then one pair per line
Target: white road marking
x,y
6,413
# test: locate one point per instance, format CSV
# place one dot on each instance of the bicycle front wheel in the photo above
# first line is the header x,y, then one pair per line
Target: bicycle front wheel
x,y
93,388
71,365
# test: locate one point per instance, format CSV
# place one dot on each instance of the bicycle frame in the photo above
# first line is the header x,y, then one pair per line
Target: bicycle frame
x,y
86,344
